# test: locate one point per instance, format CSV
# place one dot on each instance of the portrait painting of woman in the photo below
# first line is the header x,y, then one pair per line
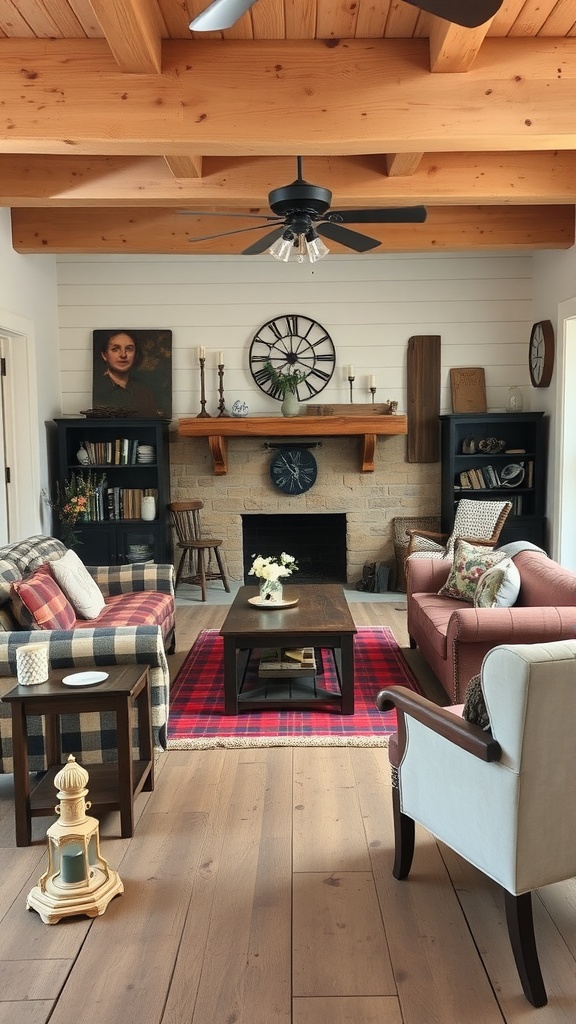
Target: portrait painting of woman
x,y
133,372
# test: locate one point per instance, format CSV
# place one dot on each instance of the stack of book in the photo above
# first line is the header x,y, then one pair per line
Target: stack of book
x,y
278,662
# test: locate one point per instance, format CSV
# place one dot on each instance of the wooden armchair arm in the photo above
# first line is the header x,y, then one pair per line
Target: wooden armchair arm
x,y
430,534
452,727
413,534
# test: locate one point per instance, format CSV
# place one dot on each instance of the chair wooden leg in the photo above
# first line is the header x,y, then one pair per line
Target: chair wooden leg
x,y
404,832
521,931
179,569
202,572
222,570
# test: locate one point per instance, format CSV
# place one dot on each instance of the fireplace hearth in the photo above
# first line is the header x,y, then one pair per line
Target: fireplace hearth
x,y
317,541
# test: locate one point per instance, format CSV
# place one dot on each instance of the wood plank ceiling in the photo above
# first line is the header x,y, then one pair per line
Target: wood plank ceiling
x,y
115,118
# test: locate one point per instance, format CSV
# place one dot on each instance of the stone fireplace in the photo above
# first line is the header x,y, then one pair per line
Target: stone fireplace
x,y
365,503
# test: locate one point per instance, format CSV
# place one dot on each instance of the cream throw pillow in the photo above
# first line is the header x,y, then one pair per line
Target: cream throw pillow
x,y
499,586
80,588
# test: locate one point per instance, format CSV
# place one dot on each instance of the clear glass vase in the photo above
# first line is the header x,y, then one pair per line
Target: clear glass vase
x,y
515,400
271,591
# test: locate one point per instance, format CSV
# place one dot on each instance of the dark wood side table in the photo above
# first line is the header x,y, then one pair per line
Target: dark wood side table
x,y
321,618
112,786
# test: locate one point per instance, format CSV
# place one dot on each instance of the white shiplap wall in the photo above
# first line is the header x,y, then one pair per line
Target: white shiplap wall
x,y
480,305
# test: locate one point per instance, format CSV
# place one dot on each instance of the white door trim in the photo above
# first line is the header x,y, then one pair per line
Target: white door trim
x,y
21,427
565,439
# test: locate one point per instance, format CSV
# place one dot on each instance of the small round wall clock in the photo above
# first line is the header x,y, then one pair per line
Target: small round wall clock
x,y
293,470
293,342
541,354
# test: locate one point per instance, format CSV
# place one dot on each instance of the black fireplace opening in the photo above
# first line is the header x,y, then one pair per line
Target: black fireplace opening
x,y
317,542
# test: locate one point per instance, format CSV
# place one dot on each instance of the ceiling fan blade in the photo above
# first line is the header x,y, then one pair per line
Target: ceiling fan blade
x,y
470,14
263,243
394,215
352,239
220,14
223,213
237,231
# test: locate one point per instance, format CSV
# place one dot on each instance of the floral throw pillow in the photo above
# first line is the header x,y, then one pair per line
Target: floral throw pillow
x,y
470,563
474,709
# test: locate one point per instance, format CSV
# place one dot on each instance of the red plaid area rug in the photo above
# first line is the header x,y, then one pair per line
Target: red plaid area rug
x,y
197,719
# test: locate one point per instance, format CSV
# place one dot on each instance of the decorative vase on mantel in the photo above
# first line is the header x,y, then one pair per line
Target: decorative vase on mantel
x,y
271,591
290,404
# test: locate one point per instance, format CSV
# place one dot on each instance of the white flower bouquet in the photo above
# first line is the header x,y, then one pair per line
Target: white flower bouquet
x,y
270,571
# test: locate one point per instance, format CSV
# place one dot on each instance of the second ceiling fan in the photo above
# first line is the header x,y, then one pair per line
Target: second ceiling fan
x,y
222,14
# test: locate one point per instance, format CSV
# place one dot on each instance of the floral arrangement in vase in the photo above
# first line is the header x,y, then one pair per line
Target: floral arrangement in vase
x,y
285,385
73,503
270,571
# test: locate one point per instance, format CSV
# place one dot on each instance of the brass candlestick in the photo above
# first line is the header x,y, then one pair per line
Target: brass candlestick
x,y
373,392
351,381
222,411
202,414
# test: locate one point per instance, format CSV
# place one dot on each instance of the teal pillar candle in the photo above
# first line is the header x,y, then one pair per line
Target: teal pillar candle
x,y
72,863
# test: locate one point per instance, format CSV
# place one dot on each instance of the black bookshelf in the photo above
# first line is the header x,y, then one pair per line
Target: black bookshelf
x,y
474,467
114,532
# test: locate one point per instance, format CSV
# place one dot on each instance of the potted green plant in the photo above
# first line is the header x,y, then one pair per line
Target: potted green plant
x,y
286,386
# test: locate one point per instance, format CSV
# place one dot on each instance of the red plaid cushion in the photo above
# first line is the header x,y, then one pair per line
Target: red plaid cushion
x,y
142,608
39,602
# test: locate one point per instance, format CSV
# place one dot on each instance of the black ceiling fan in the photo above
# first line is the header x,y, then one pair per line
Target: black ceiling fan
x,y
222,14
301,213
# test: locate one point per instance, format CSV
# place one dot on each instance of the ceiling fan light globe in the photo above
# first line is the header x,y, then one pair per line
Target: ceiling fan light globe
x,y
281,249
316,248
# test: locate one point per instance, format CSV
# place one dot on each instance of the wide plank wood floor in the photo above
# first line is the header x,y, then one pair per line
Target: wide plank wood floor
x,y
258,890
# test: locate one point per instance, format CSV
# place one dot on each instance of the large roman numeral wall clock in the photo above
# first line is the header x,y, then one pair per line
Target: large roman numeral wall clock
x,y
293,342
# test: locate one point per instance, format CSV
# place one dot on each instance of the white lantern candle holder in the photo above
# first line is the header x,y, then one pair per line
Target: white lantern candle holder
x,y
78,879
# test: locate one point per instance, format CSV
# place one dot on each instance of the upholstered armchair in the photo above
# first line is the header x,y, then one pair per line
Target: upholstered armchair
x,y
501,796
477,521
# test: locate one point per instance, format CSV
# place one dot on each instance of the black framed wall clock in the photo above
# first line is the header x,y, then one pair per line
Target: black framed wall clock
x,y
293,342
293,470
541,353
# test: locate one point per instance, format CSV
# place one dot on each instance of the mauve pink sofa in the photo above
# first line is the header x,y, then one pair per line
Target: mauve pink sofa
x,y
454,636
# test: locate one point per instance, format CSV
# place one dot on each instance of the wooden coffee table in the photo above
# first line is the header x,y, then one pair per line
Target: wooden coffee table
x,y
321,619
111,786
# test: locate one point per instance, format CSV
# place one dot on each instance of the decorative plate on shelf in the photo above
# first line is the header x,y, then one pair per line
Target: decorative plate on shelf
x,y
512,475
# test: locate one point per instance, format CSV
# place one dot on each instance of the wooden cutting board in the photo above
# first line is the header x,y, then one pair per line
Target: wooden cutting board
x,y
424,398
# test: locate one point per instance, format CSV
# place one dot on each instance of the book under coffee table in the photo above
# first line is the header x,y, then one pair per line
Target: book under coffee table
x,y
320,619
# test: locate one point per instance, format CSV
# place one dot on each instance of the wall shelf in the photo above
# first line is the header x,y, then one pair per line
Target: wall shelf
x,y
219,429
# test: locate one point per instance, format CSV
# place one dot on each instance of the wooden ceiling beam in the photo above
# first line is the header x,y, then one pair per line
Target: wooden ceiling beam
x,y
513,228
454,49
133,31
244,182
185,166
264,97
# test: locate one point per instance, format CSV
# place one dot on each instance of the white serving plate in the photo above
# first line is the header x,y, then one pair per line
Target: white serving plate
x,y
85,678
260,602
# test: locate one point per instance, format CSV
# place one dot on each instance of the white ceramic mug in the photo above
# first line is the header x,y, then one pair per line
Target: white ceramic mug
x,y
32,664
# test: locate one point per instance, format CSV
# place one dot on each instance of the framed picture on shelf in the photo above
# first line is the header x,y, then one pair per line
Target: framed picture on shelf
x,y
132,372
468,386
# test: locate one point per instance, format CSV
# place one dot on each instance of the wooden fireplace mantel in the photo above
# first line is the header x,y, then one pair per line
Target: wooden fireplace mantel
x,y
219,429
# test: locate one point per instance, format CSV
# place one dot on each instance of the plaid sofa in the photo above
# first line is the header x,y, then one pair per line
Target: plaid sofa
x,y
139,629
